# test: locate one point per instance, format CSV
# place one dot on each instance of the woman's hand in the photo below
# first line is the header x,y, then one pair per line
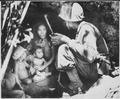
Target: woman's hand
x,y
40,68
57,39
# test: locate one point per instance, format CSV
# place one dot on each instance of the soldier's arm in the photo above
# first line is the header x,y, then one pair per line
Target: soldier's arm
x,y
86,50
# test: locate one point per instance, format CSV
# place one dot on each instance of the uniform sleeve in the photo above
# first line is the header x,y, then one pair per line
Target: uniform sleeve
x,y
86,49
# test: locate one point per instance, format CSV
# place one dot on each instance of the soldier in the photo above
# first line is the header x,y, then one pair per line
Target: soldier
x,y
77,57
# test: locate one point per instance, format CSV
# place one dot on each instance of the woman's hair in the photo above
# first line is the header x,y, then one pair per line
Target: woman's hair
x,y
35,29
36,36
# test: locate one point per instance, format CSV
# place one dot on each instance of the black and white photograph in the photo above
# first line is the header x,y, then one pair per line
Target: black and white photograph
x,y
60,49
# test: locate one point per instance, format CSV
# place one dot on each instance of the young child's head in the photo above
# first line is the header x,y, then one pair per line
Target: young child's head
x,y
38,52
19,53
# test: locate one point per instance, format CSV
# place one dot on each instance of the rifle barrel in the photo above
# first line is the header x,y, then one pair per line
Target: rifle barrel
x,y
45,16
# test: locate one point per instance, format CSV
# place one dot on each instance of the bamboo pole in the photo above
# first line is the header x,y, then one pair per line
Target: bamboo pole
x,y
24,11
0,43
6,61
5,16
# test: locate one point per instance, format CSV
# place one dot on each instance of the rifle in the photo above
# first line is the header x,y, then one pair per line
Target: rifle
x,y
45,16
102,58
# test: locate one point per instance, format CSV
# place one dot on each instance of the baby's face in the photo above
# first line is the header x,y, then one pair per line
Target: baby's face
x,y
39,53
42,31
23,56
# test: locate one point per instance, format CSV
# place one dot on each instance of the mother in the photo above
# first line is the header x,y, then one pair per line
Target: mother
x,y
41,38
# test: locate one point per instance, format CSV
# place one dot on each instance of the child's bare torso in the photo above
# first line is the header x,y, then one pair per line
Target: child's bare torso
x,y
46,48
22,71
38,62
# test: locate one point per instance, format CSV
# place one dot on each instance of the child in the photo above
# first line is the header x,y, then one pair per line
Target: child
x,y
39,64
9,87
20,70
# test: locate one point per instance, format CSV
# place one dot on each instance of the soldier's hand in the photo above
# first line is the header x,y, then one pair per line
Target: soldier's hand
x,y
56,39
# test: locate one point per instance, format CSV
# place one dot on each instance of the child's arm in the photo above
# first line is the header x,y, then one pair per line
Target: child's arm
x,y
18,82
26,64
16,69
16,75
29,58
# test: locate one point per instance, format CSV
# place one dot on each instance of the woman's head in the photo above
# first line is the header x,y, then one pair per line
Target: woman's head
x,y
40,30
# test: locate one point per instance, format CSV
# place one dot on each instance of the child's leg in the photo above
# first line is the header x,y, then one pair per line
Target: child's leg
x,y
13,94
26,81
38,78
10,81
18,94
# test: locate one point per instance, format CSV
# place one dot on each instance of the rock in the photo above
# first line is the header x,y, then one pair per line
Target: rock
x,y
105,87
102,86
